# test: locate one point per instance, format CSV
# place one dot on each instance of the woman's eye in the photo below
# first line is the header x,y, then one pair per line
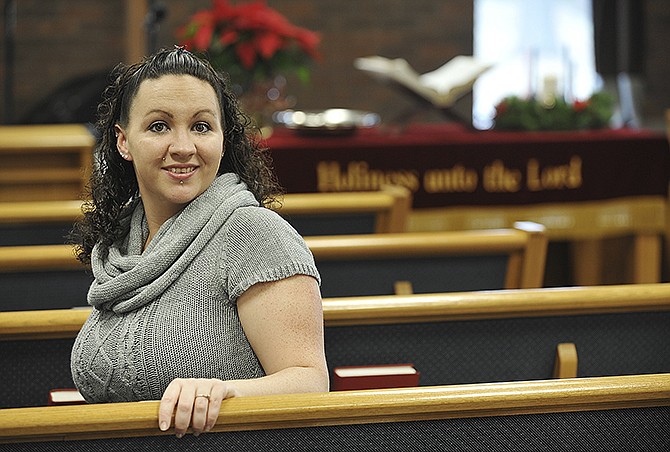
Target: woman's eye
x,y
202,127
158,127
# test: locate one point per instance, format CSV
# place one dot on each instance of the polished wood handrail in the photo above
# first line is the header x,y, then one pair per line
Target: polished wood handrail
x,y
385,309
42,324
292,204
391,204
331,247
57,211
347,407
525,245
321,203
32,137
497,304
366,246
38,257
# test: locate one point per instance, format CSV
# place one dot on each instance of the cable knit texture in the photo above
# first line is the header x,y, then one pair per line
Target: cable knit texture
x,y
169,311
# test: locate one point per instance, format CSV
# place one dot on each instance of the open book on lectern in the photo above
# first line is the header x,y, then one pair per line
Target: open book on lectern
x,y
441,87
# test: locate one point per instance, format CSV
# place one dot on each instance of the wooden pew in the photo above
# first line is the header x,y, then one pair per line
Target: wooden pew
x,y
365,264
451,338
37,222
38,257
42,277
505,335
382,211
605,413
44,162
429,262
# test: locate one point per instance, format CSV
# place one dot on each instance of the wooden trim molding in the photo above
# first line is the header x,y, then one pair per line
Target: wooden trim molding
x,y
384,309
346,407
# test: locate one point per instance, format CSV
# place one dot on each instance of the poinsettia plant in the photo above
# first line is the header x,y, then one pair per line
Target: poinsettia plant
x,y
250,41
515,113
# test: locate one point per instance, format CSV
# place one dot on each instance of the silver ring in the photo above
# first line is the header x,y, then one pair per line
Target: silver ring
x,y
202,395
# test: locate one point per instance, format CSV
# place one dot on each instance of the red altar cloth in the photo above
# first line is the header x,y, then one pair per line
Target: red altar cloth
x,y
448,165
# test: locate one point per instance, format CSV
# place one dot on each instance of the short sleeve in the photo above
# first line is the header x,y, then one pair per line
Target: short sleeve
x,y
260,246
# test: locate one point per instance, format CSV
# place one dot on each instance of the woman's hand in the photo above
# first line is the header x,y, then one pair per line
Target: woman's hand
x,y
283,321
195,402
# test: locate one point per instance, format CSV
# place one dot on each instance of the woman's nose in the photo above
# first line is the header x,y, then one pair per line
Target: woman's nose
x,y
182,145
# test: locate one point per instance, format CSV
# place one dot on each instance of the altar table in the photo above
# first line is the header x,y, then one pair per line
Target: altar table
x,y
584,186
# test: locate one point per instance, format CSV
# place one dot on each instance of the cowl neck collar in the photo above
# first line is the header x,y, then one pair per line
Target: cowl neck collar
x,y
128,277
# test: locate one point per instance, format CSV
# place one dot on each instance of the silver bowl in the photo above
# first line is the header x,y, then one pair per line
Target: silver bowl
x,y
332,121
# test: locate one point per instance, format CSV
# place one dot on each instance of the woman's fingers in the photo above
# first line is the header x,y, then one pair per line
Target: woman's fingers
x,y
168,403
200,410
184,409
194,402
218,394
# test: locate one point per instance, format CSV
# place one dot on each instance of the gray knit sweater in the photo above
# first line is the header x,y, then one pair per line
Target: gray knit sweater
x,y
169,311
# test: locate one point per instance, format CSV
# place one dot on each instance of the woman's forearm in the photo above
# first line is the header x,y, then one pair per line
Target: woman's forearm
x,y
287,381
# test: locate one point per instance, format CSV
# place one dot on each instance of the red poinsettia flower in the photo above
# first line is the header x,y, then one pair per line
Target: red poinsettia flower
x,y
581,105
267,43
250,39
229,37
247,54
501,108
199,31
308,41
223,10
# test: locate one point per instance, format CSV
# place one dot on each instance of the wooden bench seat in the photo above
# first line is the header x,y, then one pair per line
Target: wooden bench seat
x,y
37,222
365,264
606,413
372,264
451,338
42,277
44,162
381,211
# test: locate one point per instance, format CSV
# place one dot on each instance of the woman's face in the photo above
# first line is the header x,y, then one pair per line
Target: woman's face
x,y
174,138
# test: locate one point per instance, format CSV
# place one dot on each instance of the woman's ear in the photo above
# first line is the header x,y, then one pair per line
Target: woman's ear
x,y
122,142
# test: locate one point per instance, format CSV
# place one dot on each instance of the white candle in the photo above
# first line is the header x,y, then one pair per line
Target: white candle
x,y
550,86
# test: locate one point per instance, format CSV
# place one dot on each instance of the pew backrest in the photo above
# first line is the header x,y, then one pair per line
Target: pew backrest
x,y
448,261
42,277
44,162
15,259
569,414
451,338
363,264
40,212
504,335
37,222
381,211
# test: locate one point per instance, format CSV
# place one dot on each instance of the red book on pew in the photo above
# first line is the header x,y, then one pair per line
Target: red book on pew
x,y
346,378
66,396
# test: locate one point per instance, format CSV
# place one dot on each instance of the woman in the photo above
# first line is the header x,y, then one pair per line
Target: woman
x,y
200,293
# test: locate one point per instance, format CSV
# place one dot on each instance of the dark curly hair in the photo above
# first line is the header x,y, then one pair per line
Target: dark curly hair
x,y
113,185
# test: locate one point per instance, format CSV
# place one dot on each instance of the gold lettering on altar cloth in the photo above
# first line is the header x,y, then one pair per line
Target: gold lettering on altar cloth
x,y
494,177
450,180
500,179
559,177
359,177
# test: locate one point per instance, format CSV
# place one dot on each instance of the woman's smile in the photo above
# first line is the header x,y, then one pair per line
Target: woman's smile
x,y
181,173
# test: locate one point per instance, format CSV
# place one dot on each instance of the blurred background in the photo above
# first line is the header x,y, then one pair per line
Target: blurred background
x,y
56,54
